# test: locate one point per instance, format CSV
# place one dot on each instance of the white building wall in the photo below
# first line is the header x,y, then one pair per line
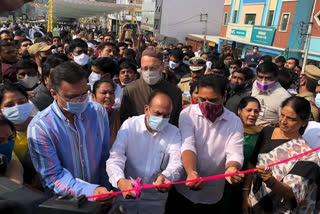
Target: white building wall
x,y
182,17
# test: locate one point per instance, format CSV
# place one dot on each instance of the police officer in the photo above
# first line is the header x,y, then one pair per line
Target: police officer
x,y
197,68
307,89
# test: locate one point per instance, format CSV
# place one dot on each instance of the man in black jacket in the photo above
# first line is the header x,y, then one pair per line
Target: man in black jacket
x,y
238,88
41,95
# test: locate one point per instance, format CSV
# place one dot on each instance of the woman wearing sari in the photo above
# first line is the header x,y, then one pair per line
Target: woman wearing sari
x,y
248,111
289,187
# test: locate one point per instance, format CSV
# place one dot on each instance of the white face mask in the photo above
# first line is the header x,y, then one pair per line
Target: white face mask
x,y
125,84
173,65
151,77
29,82
231,70
209,64
93,78
81,59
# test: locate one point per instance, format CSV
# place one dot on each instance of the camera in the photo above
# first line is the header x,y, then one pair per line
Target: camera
x,y
131,26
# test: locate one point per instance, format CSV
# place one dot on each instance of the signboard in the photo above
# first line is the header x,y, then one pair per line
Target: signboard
x,y
263,35
239,33
253,1
147,16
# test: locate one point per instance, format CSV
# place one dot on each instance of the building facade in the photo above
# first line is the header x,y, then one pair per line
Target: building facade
x,y
314,51
179,18
278,27
116,20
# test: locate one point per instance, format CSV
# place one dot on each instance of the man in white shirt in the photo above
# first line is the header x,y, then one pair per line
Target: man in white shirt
x,y
212,143
312,135
147,147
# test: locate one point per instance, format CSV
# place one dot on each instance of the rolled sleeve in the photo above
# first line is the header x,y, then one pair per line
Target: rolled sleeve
x,y
186,127
175,167
234,148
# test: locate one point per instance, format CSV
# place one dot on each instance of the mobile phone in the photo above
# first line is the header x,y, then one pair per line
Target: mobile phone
x,y
131,26
234,45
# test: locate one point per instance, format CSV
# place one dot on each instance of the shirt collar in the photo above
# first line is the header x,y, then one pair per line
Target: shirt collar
x,y
307,94
44,89
144,127
221,117
58,111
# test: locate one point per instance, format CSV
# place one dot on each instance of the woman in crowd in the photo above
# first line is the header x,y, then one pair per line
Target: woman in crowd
x,y
194,92
104,93
14,169
248,111
289,187
17,109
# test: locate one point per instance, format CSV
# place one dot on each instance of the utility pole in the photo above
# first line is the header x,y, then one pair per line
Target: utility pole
x,y
308,35
204,18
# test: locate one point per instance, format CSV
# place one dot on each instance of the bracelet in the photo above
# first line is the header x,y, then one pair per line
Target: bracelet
x,y
245,189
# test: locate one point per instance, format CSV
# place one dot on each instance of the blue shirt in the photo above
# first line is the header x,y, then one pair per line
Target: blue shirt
x,y
70,160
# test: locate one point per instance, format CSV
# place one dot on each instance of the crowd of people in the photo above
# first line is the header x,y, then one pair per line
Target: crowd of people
x,y
88,113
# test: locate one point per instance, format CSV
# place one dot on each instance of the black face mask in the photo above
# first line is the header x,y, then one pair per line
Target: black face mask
x,y
237,87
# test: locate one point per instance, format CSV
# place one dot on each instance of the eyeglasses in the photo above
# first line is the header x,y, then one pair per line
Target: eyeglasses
x,y
77,99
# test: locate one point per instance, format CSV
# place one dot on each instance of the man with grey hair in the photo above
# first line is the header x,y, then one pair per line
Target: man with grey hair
x,y
135,95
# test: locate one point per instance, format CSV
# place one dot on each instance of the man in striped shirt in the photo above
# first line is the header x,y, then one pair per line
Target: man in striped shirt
x,y
69,140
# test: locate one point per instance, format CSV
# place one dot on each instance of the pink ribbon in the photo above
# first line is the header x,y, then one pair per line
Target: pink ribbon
x,y
138,188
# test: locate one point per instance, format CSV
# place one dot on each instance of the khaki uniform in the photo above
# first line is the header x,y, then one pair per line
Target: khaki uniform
x,y
311,98
184,86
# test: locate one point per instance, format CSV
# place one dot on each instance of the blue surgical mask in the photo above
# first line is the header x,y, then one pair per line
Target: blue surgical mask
x,y
254,70
318,100
77,107
157,123
186,62
18,114
6,149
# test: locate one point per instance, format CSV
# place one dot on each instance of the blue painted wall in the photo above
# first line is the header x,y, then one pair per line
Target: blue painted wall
x,y
314,45
231,11
265,12
239,11
301,14
277,13
315,48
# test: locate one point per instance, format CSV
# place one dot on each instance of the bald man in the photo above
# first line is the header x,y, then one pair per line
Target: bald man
x,y
147,147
